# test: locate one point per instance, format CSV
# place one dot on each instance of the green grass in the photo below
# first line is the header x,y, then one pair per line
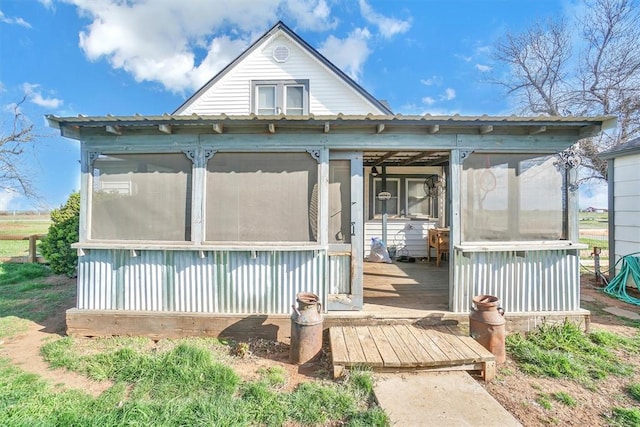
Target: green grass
x,y
11,325
593,220
565,398
25,293
591,242
626,417
545,401
274,376
189,382
564,351
634,391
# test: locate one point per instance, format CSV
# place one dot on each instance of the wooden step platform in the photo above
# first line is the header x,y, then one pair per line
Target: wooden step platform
x,y
392,348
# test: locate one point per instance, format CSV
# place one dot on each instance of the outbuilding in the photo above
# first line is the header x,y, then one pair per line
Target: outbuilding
x,y
623,179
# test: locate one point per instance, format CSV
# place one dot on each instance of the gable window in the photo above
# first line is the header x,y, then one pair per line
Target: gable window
x,y
272,97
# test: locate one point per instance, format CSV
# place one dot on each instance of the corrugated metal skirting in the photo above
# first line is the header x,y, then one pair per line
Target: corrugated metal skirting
x,y
220,282
339,274
524,281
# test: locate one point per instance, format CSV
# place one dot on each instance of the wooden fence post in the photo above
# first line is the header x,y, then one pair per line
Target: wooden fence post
x,y
33,256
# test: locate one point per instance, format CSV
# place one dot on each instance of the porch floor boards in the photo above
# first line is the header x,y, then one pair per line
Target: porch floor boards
x,y
405,287
406,347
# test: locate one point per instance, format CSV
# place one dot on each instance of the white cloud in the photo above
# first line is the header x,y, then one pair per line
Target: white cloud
x,y
6,196
311,14
594,195
34,95
432,81
161,40
428,100
48,4
11,108
483,68
388,27
448,95
14,21
348,54
221,51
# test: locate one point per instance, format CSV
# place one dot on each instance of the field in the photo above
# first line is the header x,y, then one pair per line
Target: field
x,y
20,225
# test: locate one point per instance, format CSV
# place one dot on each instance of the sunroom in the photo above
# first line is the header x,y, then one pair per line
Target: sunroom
x,y
205,221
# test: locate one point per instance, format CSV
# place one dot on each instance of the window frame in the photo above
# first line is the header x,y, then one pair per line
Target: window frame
x,y
280,94
402,196
88,232
398,197
314,243
516,213
275,99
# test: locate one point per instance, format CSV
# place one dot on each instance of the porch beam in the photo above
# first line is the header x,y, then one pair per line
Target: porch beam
x,y
115,130
438,161
486,129
382,159
164,128
415,158
537,130
432,129
380,128
218,128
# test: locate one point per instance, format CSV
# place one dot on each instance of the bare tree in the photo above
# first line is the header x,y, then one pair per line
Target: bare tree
x,y
592,70
538,62
12,145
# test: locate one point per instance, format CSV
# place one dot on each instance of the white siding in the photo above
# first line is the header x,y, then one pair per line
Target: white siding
x,y
626,199
409,237
328,93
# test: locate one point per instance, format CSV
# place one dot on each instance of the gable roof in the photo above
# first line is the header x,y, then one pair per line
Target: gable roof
x,y
280,26
624,149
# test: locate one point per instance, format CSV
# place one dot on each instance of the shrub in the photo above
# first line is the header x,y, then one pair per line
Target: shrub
x,y
63,231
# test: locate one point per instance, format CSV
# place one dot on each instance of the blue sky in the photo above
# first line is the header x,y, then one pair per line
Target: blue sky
x,y
98,57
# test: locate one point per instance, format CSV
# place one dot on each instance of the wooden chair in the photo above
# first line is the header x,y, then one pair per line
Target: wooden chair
x,y
438,239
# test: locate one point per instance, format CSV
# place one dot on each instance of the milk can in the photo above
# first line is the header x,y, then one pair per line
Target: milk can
x,y
306,328
487,325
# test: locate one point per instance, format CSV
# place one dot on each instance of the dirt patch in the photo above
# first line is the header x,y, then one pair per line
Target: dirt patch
x,y
24,349
264,354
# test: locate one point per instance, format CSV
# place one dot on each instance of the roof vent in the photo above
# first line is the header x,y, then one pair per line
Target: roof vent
x,y
281,53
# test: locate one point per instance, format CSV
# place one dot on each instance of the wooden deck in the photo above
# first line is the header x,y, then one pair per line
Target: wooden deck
x,y
417,287
391,348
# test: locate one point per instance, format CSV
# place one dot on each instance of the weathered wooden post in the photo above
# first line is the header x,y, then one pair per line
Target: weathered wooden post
x,y
596,264
33,256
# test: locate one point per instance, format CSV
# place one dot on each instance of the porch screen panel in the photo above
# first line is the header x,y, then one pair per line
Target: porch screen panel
x,y
340,201
512,197
261,197
141,197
